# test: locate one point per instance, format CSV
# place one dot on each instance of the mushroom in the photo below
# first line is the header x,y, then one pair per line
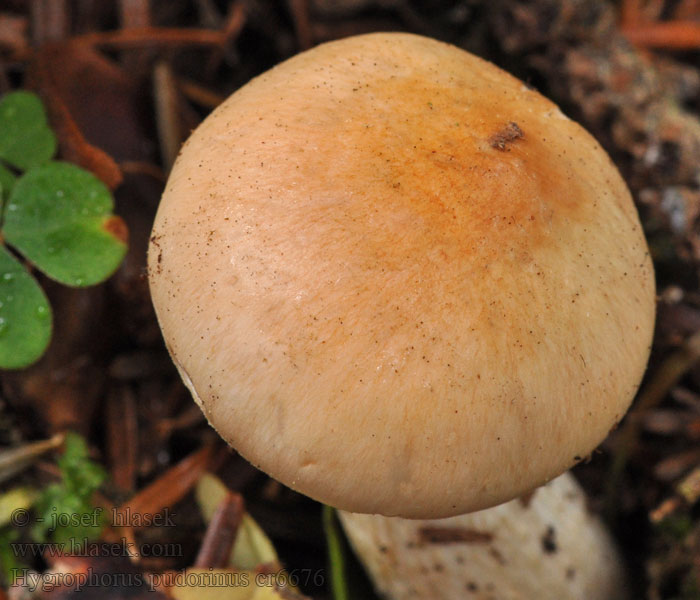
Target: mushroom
x,y
545,545
400,281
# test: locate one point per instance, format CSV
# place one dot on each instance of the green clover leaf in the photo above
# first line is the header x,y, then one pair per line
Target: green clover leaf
x,y
7,182
25,137
59,216
25,315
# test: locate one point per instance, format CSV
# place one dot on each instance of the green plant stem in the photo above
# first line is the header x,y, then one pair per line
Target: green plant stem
x,y
336,557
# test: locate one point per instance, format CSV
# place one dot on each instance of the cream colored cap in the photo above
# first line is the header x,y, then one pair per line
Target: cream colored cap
x,y
400,281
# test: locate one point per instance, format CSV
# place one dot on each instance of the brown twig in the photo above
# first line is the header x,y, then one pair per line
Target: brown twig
x,y
13,35
49,19
149,37
190,417
171,133
302,23
233,25
122,437
134,14
117,533
235,20
137,167
630,13
221,533
687,492
74,147
208,13
667,507
14,460
199,94
169,488
674,466
673,35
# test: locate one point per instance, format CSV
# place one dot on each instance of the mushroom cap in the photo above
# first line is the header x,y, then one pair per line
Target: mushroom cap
x,y
400,281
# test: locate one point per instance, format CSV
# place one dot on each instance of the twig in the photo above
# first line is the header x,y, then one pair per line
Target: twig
x,y
74,147
122,437
49,20
208,13
302,22
672,467
147,37
190,417
117,533
14,460
199,94
221,533
169,488
136,167
235,20
667,507
675,35
134,14
169,124
13,35
688,493
233,25
630,13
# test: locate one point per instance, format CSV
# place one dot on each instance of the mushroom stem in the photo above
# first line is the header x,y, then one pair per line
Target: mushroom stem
x,y
546,545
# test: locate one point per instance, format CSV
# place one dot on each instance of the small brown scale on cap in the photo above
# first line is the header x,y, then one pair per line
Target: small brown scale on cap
x,y
400,281
505,136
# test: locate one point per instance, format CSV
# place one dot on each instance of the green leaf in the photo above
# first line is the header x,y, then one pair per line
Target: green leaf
x,y
7,182
60,217
25,315
209,493
25,137
252,547
71,499
348,578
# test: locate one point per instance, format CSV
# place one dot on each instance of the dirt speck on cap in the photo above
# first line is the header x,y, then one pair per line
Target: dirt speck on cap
x,y
505,136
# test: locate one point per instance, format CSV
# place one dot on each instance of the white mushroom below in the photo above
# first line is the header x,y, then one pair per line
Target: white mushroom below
x,y
546,545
